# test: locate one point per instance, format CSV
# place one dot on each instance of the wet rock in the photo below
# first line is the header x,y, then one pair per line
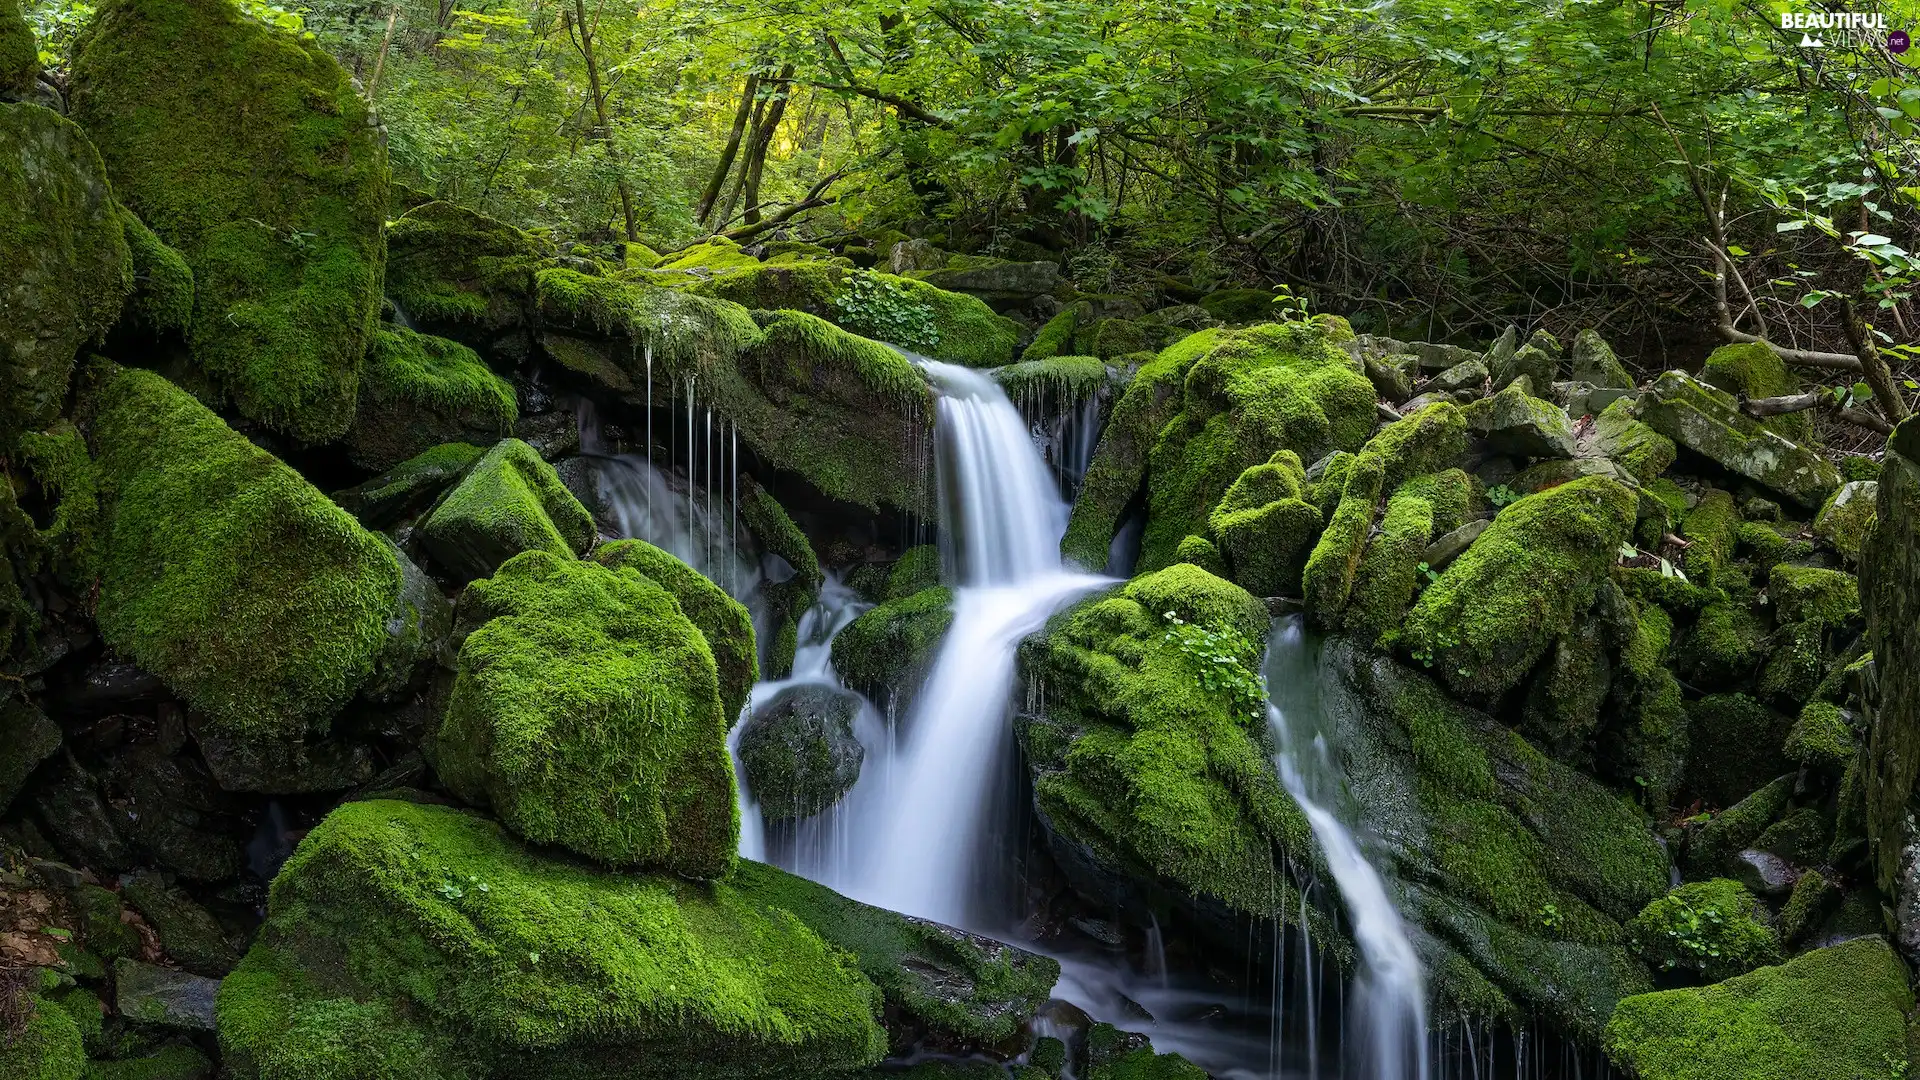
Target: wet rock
x,y
79,821
887,652
170,808
1766,874
164,997
420,621
27,738
799,751
993,280
1707,421
282,768
408,489
1520,425
553,434
510,501
418,391
190,935
461,274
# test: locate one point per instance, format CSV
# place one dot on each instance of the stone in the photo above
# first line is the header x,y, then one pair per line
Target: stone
x,y
1448,547
409,488
1847,518
418,391
1391,380
27,738
1707,421
1468,375
799,751
1765,873
164,997
1519,425
908,256
1890,593
510,501
888,651
1439,357
995,280
281,767
1529,362
190,935
1641,451
1595,364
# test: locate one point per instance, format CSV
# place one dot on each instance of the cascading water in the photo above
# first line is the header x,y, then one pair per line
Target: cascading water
x,y
1387,1035
927,851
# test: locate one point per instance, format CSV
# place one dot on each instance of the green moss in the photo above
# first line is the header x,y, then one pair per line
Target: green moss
x,y
409,487
101,927
1761,540
207,538
1641,450
188,933
1055,336
418,941
1240,305
1146,749
1112,338
508,502
1754,370
1709,530
1327,579
767,521
1711,844
1649,741
1832,1014
19,53
176,1062
250,151
1807,592
69,542
1812,895
1119,465
1796,662
49,1047
586,712
918,568
1712,929
887,652
798,752
162,281
1821,737
1059,382
1846,519
1495,609
1709,422
64,255
1246,395
1737,746
449,264
1265,528
418,391
1201,552
1385,578
721,619
89,1015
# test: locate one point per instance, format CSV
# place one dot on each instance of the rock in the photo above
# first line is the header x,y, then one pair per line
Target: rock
x,y
172,810
1056,335
47,1045
1519,425
722,620
162,300
1264,527
917,254
1737,745
995,280
408,489
1393,381
1595,364
281,767
1529,362
1468,375
1706,421
1439,357
1712,929
27,738
787,600
1239,306
1812,592
419,622
1447,548
573,678
508,502
460,273
190,936
1830,1014
1846,518
553,434
1493,613
207,538
1562,707
174,1062
1583,400
1642,451
418,392
1113,1054
79,821
719,974
250,151
1890,586
19,53
799,751
1713,847
1184,316
1754,370
887,652
63,255
164,997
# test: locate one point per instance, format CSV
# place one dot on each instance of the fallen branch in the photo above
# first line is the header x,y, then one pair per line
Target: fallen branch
x,y
1761,408
815,198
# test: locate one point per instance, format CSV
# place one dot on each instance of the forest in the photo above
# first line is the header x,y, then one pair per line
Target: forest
x,y
959,540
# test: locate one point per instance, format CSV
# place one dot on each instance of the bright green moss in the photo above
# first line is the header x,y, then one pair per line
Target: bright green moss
x,y
1495,609
1832,1014
1754,370
418,941
1058,382
1712,929
449,264
722,620
1638,448
508,502
19,53
1147,749
1327,580
1712,843
418,391
58,461
249,150
1425,508
63,255
886,652
409,487
1821,737
1846,520
1247,394
1808,592
175,1062
586,712
1055,336
1649,740
1737,746
1762,540
1324,492
208,539
162,281
1812,895
1201,552
49,1048
1709,530
1724,646
1264,527
916,569
767,521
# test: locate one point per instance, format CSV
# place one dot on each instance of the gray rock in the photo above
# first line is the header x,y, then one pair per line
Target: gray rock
x,y
189,934
1517,424
1001,281
910,255
799,751
27,738
1709,422
408,488
1185,316
421,619
554,434
282,769
1469,375
1392,380
80,822
1595,364
1764,873
1845,519
1448,548
1526,362
1437,357
163,996
1500,353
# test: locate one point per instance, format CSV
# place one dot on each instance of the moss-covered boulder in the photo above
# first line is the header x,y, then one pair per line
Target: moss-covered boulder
x,y
248,149
1635,447
724,621
19,53
1494,611
586,713
27,737
459,272
795,578
418,391
1119,465
1833,1014
799,751
424,942
887,652
1754,370
1890,586
1595,364
162,300
508,502
1738,745
1847,516
1265,528
1147,741
258,600
46,1044
1706,420
409,488
63,256
1517,424
1713,930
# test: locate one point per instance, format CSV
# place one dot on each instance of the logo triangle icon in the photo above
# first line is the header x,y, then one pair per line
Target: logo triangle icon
x,y
1808,41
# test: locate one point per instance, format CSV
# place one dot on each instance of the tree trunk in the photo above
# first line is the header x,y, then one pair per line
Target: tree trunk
x,y
605,133
719,179
1873,366
762,140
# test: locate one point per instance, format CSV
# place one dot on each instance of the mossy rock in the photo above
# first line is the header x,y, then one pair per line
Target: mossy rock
x,y
19,52
27,738
1517,424
174,1062
1057,383
461,272
887,652
1119,466
1812,592
1055,336
799,752
1847,517
1595,364
409,488
917,568
1832,1014
188,933
1754,370
1821,737
209,543
787,601
1707,421
724,621
162,300
1240,305
1245,395
1713,844
48,1046
63,254
1113,1054
1388,572
1738,745
1631,444
586,712
1494,610
508,502
418,391
249,150
1147,743
421,941
1711,929
1265,528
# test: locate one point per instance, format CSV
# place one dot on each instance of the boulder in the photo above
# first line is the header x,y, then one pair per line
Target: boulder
x,y
508,502
1530,362
1595,364
723,621
1520,425
1635,447
460,273
799,751
208,540
1439,554
249,150
995,280
1706,421
418,392
1711,930
1846,519
46,1045
409,488
162,300
586,713
27,738
188,933
1468,375
164,997
792,591
1264,527
1240,305
63,256
1832,1014
887,652
1754,370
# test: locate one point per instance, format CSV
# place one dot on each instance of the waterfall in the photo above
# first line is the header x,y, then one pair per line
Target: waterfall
x,y
928,851
1388,1023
